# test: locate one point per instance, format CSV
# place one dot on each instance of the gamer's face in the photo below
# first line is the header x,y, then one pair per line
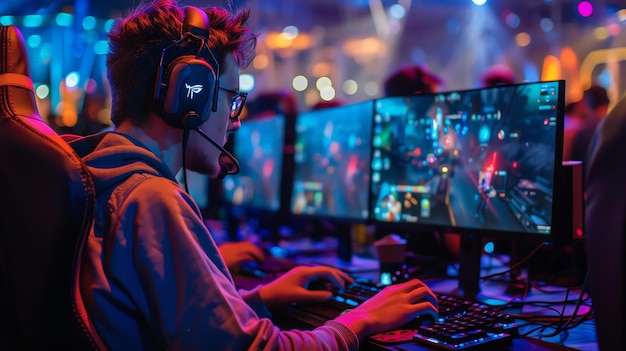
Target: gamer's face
x,y
203,157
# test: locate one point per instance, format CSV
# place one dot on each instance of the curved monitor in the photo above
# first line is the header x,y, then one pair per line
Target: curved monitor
x,y
483,160
258,147
332,162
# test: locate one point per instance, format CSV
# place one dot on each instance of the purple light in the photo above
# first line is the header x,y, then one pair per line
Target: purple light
x,y
585,8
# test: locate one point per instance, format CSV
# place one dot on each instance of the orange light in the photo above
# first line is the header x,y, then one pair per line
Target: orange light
x,y
551,68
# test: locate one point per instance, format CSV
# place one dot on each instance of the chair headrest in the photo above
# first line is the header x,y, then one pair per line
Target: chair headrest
x,y
16,86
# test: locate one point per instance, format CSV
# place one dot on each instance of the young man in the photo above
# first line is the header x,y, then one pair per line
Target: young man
x,y
152,276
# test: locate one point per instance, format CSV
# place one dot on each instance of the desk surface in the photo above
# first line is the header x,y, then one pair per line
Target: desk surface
x,y
538,310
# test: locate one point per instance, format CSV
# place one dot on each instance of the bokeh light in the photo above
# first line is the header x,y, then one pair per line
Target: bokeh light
x,y
600,33
323,82
512,20
34,40
42,91
299,83
32,21
397,11
327,93
72,79
350,87
63,19
371,88
551,68
6,20
246,82
108,25
89,23
614,29
546,24
290,32
261,61
101,47
585,8
522,39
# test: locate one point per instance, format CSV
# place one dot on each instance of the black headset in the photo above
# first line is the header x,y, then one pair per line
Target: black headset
x,y
187,85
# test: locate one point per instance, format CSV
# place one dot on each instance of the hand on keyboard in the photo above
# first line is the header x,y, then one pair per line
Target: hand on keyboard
x,y
462,324
237,253
391,308
293,286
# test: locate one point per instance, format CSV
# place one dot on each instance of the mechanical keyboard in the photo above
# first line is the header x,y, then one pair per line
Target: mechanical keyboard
x,y
462,325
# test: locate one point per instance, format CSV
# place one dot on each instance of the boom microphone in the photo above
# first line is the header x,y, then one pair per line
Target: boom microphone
x,y
228,162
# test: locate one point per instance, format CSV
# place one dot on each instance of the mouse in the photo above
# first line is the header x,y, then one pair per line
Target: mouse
x,y
421,320
323,284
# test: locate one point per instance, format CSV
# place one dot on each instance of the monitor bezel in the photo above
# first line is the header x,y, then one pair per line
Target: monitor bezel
x,y
555,236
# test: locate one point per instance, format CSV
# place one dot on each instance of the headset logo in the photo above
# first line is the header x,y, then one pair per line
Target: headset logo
x,y
193,89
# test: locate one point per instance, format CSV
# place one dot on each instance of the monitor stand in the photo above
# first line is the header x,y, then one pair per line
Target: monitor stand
x,y
470,258
469,266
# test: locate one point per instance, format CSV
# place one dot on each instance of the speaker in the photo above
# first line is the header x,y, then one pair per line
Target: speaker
x,y
187,84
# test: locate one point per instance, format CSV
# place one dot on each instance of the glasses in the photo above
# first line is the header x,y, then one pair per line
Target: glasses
x,y
237,102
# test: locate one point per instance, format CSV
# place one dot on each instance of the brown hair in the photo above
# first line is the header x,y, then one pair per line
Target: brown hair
x,y
136,43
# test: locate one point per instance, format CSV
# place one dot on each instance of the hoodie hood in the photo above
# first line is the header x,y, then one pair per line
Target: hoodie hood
x,y
113,157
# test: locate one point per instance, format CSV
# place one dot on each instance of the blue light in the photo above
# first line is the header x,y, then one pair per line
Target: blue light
x,y
479,2
32,21
72,80
531,72
101,47
484,134
489,247
108,25
34,40
64,19
512,20
89,23
6,20
397,11
546,24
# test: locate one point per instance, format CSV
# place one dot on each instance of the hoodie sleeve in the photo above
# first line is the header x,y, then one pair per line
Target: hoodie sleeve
x,y
162,264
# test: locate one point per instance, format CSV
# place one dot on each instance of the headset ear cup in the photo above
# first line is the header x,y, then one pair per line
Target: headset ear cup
x,y
189,92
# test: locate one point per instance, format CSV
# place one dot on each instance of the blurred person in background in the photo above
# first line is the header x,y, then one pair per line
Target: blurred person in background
x,y
596,100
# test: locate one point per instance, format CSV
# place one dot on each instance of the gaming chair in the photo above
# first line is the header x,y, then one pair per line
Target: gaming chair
x,y
46,205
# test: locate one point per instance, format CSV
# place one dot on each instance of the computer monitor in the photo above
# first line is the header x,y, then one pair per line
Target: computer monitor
x,y
332,163
255,192
331,176
479,162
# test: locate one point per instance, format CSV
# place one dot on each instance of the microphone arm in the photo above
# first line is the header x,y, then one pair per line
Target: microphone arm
x,y
228,162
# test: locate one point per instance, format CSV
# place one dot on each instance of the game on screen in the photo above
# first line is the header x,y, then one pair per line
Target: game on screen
x,y
469,159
